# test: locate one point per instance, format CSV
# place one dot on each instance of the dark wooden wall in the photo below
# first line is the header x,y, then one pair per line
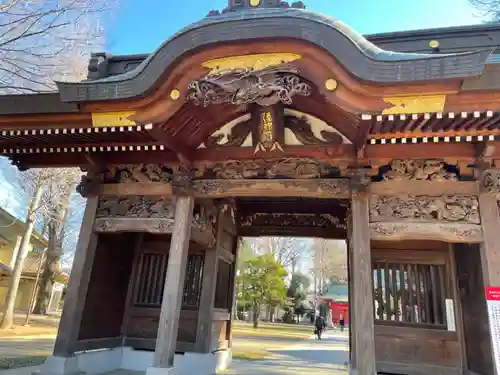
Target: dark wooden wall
x,y
475,314
140,325
106,295
414,346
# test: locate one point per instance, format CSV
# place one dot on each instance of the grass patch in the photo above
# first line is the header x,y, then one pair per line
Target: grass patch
x,y
15,362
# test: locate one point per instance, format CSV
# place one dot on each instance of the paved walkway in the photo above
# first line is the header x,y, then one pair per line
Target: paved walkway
x,y
312,357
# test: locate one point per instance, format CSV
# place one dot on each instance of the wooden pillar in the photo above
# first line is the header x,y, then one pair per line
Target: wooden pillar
x,y
174,285
232,288
490,248
490,222
205,314
352,346
78,283
362,284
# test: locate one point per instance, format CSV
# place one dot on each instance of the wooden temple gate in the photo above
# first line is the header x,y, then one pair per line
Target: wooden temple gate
x,y
318,133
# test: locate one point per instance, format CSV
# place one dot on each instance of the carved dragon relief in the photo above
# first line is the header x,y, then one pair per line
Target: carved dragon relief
x,y
266,86
268,168
451,209
431,169
150,214
137,173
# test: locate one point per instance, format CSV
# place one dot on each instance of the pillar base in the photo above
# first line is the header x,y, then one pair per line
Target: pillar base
x,y
59,366
161,371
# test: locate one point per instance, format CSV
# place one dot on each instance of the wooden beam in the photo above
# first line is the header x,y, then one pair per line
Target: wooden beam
x,y
344,152
174,286
421,151
159,225
430,188
79,159
485,152
78,283
206,188
447,232
52,120
362,283
176,145
318,188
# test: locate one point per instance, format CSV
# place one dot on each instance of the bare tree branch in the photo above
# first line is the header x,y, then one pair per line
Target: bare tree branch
x,y
488,8
46,41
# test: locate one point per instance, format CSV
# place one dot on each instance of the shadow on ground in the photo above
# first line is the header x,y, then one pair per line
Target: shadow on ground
x,y
314,357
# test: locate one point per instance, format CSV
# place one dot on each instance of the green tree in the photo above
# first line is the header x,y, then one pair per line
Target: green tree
x,y
261,282
297,292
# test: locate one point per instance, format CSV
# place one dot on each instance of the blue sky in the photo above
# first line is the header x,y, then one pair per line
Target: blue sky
x,y
141,26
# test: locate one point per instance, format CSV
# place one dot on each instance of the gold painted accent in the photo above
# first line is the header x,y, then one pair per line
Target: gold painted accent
x,y
265,132
256,62
331,84
254,3
175,94
108,119
434,44
266,129
415,104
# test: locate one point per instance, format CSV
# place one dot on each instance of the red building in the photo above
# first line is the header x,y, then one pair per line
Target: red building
x,y
337,297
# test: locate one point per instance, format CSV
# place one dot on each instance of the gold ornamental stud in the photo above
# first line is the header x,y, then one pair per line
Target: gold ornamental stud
x,y
175,94
254,3
434,44
331,84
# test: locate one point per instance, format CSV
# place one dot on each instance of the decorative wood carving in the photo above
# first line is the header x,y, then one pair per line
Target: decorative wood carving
x,y
448,232
89,186
271,168
432,169
266,86
302,129
490,181
182,182
359,179
455,209
324,221
138,206
151,214
235,137
137,173
324,188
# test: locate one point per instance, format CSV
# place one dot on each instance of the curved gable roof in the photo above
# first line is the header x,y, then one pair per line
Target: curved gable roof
x,y
361,57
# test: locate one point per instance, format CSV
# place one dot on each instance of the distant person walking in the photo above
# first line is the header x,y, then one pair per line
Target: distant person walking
x,y
319,326
342,323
